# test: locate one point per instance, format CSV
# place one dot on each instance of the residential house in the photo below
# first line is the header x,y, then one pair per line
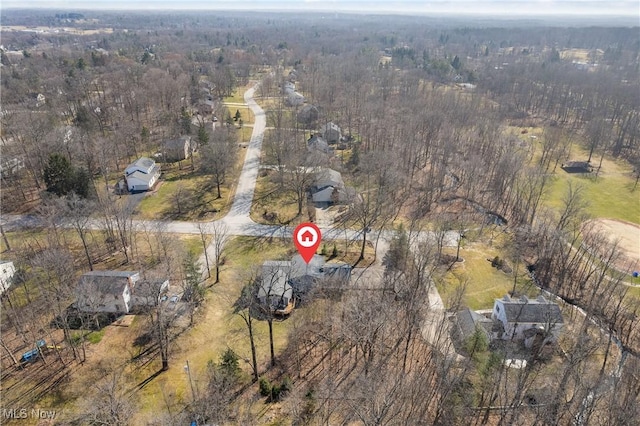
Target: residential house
x,y
141,175
274,291
468,322
177,149
292,97
317,143
308,115
146,293
7,270
37,100
519,315
328,187
206,106
284,282
106,291
331,133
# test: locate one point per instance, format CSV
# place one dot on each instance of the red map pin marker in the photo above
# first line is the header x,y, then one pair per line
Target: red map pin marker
x,y
307,238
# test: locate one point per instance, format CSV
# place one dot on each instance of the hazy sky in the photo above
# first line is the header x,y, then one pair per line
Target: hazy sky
x,y
487,7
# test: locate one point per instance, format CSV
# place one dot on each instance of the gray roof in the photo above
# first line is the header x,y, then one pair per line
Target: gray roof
x,y
532,311
328,177
106,282
318,143
177,143
300,268
274,281
143,162
150,288
467,321
145,177
330,126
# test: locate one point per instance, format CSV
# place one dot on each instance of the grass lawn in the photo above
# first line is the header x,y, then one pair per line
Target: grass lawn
x,y
484,282
183,194
237,96
268,199
610,195
217,328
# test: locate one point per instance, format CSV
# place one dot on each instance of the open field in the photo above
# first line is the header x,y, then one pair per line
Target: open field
x,y
626,234
610,195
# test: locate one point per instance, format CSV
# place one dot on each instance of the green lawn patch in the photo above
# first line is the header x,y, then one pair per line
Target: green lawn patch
x,y
484,283
183,194
608,196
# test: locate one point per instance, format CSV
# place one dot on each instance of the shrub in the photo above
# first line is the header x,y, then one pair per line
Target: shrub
x,y
287,385
265,386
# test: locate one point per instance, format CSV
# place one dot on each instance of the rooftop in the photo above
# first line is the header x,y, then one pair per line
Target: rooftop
x,y
526,310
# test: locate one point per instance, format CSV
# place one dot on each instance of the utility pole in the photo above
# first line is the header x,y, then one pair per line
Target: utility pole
x,y
188,371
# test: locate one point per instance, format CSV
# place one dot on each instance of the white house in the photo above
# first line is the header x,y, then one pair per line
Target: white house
x,y
7,269
106,291
519,315
292,97
141,175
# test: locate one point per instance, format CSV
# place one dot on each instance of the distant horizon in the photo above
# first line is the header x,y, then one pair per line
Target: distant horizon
x,y
462,8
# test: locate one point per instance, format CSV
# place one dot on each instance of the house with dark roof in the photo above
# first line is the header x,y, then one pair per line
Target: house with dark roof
x,y
328,187
308,115
317,143
522,314
118,292
106,291
274,291
284,282
177,149
331,133
146,293
141,175
467,322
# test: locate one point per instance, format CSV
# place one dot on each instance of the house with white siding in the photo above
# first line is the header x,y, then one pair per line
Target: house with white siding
x,y
141,175
517,316
7,270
